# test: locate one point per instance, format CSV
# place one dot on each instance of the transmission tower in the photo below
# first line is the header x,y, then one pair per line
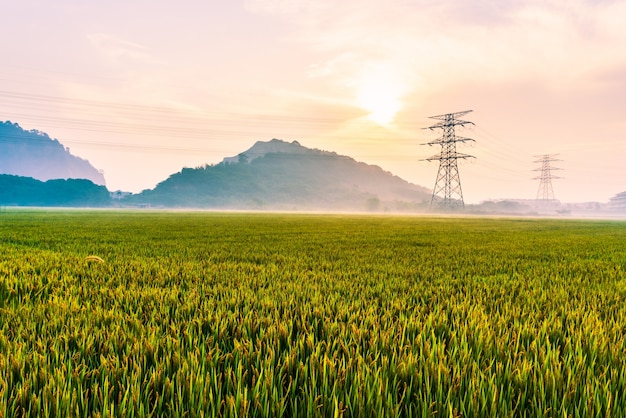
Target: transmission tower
x,y
545,191
447,193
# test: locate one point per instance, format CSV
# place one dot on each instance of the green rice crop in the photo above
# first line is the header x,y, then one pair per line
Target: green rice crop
x,y
216,314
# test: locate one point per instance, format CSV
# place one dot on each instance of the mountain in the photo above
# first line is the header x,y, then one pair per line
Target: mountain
x,y
281,175
26,191
34,154
261,148
618,202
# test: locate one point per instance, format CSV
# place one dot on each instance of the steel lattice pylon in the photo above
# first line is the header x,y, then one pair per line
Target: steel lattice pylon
x,y
545,191
447,192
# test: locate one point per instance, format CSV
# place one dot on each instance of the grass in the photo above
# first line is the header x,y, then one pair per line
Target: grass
x,y
215,314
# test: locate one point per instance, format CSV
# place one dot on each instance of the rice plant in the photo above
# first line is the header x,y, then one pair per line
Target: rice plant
x,y
135,314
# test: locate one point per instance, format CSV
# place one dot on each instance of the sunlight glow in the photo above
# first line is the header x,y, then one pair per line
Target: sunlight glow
x,y
378,92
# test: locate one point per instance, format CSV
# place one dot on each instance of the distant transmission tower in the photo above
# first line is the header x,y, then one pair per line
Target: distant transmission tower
x,y
545,191
447,192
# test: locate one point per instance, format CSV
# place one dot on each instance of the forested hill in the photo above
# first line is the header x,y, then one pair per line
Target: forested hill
x,y
34,154
26,191
286,176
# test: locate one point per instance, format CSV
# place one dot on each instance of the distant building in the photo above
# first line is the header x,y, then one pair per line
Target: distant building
x,y
119,194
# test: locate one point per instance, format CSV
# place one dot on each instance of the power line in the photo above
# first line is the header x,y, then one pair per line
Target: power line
x,y
447,192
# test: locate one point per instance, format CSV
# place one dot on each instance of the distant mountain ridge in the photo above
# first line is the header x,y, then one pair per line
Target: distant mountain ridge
x,y
261,148
26,191
286,176
34,154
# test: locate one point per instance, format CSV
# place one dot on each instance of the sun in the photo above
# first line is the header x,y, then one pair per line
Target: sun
x,y
379,94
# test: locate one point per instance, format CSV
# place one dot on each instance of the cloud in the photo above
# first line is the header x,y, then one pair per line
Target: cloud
x,y
117,51
432,44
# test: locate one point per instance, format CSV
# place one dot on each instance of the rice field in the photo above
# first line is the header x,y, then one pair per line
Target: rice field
x,y
138,314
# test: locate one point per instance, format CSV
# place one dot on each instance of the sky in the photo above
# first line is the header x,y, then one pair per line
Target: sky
x,y
143,88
